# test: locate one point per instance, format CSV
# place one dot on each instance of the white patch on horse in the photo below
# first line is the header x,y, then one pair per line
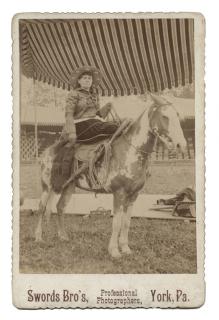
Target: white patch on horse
x,y
83,181
46,164
132,153
137,140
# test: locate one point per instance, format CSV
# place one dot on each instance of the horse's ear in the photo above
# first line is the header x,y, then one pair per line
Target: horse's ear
x,y
181,117
159,100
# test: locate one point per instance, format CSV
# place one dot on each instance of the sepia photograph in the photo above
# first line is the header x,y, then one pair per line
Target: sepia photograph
x,y
107,107
106,150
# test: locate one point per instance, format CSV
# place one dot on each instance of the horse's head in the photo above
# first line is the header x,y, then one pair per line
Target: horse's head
x,y
164,119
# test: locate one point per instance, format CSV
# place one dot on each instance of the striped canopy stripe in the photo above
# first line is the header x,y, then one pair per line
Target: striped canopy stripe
x,y
134,55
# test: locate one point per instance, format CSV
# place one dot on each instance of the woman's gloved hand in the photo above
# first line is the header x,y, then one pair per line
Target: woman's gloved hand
x,y
103,112
72,139
69,131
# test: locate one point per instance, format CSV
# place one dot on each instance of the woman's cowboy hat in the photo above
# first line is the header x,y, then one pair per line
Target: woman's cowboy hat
x,y
96,74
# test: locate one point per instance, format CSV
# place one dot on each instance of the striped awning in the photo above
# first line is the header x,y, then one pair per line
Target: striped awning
x,y
134,55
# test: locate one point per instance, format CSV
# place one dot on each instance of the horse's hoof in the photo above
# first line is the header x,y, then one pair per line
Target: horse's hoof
x,y
115,253
126,250
63,237
39,239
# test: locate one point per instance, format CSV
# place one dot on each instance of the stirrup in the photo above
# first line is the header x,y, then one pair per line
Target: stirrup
x,y
75,175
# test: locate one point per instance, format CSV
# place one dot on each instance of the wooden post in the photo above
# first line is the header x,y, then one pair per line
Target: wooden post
x,y
35,122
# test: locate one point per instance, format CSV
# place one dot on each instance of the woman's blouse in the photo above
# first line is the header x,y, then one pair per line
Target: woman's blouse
x,y
82,104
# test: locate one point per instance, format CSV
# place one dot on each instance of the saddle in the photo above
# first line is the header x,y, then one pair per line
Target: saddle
x,y
85,152
94,159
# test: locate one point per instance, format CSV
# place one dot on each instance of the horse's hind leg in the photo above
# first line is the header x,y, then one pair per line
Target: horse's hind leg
x,y
42,207
123,239
61,205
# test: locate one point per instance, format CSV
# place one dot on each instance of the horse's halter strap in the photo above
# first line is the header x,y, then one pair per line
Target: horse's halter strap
x,y
154,130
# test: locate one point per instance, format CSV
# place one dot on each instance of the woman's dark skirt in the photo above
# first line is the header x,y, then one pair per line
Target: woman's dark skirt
x,y
94,130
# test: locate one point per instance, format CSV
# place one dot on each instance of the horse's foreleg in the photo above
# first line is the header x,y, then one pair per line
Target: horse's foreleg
x,y
48,212
61,205
123,239
42,207
116,228
49,207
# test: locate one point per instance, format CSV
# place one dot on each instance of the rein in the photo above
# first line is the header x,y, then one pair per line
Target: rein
x,y
153,132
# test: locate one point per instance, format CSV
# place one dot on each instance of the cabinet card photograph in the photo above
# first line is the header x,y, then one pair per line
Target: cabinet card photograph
x,y
108,160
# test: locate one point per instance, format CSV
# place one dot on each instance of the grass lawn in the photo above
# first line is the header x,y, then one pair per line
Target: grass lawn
x,y
159,246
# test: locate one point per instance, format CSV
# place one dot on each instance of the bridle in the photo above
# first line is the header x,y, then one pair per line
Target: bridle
x,y
154,132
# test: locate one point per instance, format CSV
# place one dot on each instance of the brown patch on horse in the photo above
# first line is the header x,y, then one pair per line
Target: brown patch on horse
x,y
130,186
62,167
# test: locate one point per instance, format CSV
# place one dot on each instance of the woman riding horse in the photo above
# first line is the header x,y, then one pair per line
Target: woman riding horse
x,y
84,121
127,172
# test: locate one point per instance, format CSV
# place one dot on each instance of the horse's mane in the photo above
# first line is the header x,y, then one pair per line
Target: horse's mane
x,y
134,125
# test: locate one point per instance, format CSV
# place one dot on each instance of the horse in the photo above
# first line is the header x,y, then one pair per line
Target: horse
x,y
127,171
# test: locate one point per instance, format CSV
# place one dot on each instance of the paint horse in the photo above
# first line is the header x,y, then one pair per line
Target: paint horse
x,y
128,165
